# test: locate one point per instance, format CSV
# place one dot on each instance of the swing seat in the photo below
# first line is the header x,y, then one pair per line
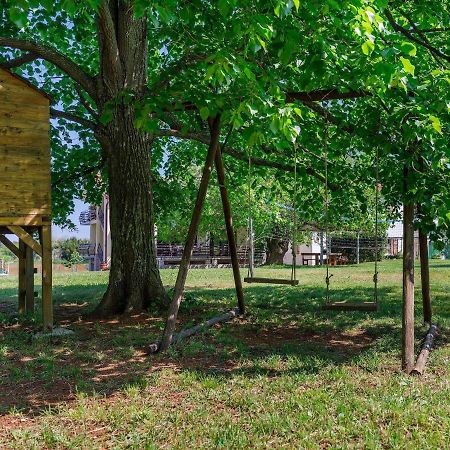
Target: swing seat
x,y
351,306
270,281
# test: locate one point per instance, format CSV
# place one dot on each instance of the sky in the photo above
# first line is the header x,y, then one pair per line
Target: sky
x,y
82,231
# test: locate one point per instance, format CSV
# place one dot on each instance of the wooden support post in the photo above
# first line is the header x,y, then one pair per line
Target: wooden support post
x,y
9,245
229,226
169,329
425,276
29,280
47,304
22,234
22,277
408,288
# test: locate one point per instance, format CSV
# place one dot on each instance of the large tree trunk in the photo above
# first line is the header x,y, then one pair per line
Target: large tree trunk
x,y
276,249
134,280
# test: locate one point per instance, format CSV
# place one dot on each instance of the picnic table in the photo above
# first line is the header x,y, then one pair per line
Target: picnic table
x,y
306,257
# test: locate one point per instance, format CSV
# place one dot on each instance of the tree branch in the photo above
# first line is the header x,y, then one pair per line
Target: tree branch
x,y
407,33
321,95
85,103
56,58
19,61
204,139
329,117
432,30
57,114
85,171
324,95
107,29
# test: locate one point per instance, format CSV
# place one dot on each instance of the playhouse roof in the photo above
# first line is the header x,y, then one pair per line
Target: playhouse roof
x,y
28,83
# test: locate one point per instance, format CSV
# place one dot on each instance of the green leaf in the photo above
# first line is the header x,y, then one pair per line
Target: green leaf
x,y
18,16
436,123
277,10
249,74
274,125
408,48
224,7
368,47
409,68
106,117
296,4
210,72
262,43
204,112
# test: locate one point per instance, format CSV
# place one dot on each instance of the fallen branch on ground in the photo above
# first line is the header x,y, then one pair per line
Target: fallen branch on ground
x,y
224,317
425,350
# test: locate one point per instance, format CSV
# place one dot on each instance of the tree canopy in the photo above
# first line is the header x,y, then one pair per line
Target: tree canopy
x,y
336,81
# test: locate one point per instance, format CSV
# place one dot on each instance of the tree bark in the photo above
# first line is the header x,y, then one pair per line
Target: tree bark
x,y
427,345
425,276
276,249
134,279
408,288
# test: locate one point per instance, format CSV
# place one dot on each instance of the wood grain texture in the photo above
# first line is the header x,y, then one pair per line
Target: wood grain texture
x,y
9,245
25,185
262,280
25,181
23,235
47,302
12,88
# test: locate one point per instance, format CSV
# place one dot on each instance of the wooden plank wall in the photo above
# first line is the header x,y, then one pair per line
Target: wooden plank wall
x,y
24,149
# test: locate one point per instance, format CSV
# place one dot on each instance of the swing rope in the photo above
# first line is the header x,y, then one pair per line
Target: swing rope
x,y
327,225
377,195
251,234
294,225
329,304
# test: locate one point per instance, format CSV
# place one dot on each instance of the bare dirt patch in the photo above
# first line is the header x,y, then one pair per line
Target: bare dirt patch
x,y
345,343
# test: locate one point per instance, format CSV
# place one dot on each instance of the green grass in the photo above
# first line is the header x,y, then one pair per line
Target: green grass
x,y
288,375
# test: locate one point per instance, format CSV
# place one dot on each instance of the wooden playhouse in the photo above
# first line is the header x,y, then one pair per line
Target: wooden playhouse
x,y
25,187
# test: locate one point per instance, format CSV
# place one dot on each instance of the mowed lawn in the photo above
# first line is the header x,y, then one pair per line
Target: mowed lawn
x,y
287,375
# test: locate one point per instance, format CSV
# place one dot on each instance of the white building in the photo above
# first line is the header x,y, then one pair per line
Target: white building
x,y
99,248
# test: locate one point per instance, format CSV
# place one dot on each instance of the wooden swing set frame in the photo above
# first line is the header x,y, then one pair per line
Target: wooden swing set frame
x,y
214,157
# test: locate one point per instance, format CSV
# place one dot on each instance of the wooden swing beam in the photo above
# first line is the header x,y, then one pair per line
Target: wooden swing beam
x,y
214,156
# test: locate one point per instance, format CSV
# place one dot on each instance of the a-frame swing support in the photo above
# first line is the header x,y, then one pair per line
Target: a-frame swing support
x,y
214,157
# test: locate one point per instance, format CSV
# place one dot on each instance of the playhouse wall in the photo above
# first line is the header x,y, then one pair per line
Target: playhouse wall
x,y
24,149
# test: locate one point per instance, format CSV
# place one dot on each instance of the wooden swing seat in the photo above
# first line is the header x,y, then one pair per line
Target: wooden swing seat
x,y
351,306
270,281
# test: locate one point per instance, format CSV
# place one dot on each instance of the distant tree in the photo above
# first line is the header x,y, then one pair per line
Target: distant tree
x,y
75,258
67,248
5,254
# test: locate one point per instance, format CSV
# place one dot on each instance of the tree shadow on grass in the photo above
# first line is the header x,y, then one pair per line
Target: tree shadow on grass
x,y
285,332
